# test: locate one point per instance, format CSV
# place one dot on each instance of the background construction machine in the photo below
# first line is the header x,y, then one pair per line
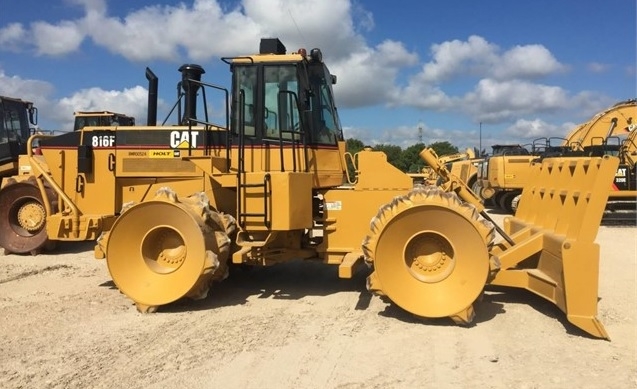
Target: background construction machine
x,y
502,176
505,173
174,206
16,118
23,211
462,165
101,118
626,180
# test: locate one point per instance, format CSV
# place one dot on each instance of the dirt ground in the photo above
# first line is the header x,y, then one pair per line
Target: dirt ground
x,y
297,325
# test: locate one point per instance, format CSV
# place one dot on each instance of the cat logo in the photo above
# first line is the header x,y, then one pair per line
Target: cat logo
x,y
621,172
183,139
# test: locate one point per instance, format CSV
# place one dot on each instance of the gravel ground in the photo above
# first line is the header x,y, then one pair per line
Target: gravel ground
x,y
65,325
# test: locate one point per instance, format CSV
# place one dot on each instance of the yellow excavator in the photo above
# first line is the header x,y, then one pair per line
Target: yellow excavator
x,y
172,207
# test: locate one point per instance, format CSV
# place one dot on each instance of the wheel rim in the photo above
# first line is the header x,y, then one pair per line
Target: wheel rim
x,y
429,257
164,249
31,216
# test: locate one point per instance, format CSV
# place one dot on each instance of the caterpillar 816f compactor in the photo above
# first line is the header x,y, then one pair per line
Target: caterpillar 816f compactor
x,y
176,205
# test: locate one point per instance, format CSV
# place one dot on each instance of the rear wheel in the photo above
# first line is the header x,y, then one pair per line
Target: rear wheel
x,y
476,188
429,254
497,198
23,218
515,201
506,201
161,250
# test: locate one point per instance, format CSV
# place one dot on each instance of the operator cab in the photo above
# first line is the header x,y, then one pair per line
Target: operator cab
x,y
284,97
101,119
16,117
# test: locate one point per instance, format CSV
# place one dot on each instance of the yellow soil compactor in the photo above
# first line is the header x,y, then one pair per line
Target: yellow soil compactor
x,y
173,206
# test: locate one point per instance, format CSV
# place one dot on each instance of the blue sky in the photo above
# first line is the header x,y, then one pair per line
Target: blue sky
x,y
407,70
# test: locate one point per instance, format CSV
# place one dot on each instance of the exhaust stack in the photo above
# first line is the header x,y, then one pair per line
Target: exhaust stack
x,y
153,81
190,73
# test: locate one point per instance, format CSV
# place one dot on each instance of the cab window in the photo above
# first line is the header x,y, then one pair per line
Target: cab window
x,y
281,113
246,85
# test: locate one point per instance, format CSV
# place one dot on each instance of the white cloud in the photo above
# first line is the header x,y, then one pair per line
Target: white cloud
x,y
527,62
364,18
538,128
493,101
503,89
203,29
500,84
11,36
130,101
59,39
456,57
597,67
357,133
368,77
479,58
14,86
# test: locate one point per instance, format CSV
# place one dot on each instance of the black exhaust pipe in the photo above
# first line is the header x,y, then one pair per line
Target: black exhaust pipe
x,y
189,73
153,81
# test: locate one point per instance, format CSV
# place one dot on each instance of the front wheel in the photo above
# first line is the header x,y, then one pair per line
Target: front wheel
x,y
429,254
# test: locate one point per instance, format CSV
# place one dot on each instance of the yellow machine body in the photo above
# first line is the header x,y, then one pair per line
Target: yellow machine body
x,y
172,207
506,176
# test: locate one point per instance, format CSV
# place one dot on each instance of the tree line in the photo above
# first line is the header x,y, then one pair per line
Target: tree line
x,y
406,160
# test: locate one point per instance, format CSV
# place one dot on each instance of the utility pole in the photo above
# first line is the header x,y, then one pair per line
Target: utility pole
x,y
480,150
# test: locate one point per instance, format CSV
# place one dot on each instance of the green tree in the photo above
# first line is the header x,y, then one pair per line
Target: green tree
x,y
353,145
407,160
394,154
411,160
443,148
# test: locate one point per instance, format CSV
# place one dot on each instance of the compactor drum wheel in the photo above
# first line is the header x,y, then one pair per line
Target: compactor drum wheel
x,y
23,218
161,250
430,254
